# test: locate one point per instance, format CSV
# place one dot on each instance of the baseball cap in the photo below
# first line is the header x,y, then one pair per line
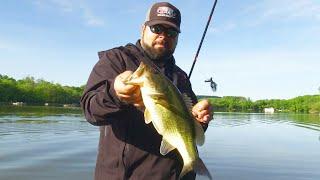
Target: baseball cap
x,y
164,13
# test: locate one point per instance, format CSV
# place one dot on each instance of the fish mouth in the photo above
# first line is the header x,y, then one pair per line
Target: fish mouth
x,y
135,78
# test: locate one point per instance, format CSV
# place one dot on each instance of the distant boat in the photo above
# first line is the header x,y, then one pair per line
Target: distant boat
x,y
71,105
269,110
18,103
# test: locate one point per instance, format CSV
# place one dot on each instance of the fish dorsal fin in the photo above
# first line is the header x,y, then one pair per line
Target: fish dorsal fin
x,y
165,147
147,116
199,133
188,101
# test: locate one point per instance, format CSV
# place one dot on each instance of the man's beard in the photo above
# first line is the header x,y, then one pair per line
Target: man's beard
x,y
157,54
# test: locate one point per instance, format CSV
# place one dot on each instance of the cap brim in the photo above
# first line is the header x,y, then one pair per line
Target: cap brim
x,y
154,22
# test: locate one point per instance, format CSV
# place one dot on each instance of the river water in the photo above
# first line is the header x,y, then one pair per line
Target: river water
x,y
38,143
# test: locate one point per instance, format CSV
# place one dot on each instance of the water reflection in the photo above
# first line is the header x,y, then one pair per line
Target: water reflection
x,y
31,120
309,121
263,146
57,143
37,110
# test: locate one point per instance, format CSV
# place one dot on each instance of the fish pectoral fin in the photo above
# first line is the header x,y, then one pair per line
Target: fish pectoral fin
x,y
147,116
199,133
157,96
165,147
160,99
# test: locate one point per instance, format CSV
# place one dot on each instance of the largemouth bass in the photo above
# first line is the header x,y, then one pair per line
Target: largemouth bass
x,y
170,113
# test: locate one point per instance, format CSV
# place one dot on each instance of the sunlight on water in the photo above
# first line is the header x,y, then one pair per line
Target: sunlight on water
x,y
57,143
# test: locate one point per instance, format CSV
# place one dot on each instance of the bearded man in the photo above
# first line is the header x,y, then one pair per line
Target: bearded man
x,y
128,147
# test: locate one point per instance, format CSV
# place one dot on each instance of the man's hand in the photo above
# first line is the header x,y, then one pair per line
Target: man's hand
x,y
128,93
203,111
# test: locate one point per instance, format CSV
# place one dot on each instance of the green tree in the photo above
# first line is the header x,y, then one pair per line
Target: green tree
x,y
30,90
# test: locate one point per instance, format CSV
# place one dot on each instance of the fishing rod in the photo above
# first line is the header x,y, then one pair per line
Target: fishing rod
x,y
203,35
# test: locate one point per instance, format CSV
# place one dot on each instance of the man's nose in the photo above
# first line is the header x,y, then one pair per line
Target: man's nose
x,y
163,34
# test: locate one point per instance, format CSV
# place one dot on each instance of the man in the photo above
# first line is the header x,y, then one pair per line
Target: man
x,y
129,148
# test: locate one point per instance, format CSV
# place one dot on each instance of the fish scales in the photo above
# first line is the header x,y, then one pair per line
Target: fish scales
x,y
166,108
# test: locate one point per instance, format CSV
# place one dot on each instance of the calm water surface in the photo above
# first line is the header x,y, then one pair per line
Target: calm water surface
x,y
57,143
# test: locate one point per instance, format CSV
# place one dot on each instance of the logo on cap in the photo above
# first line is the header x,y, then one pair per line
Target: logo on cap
x,y
166,12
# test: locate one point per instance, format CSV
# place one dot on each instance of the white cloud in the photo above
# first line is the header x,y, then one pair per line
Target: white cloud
x,y
65,5
267,11
284,10
72,7
293,9
90,18
229,26
93,21
4,46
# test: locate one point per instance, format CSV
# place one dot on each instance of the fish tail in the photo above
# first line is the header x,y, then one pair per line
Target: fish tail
x,y
185,170
200,168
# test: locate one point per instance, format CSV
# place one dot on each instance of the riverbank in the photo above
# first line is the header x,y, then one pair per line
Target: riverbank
x,y
301,104
27,110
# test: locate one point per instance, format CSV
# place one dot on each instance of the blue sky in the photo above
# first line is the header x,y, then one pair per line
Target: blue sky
x,y
259,49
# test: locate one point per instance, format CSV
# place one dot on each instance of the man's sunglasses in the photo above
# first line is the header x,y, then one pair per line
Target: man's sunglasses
x,y
158,29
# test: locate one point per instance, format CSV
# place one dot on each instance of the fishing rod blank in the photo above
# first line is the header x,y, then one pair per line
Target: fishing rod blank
x,y
203,35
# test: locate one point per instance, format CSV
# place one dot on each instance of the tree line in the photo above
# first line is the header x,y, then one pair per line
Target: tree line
x,y
301,104
30,90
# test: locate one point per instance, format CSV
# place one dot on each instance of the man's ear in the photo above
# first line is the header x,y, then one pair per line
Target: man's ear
x,y
143,27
